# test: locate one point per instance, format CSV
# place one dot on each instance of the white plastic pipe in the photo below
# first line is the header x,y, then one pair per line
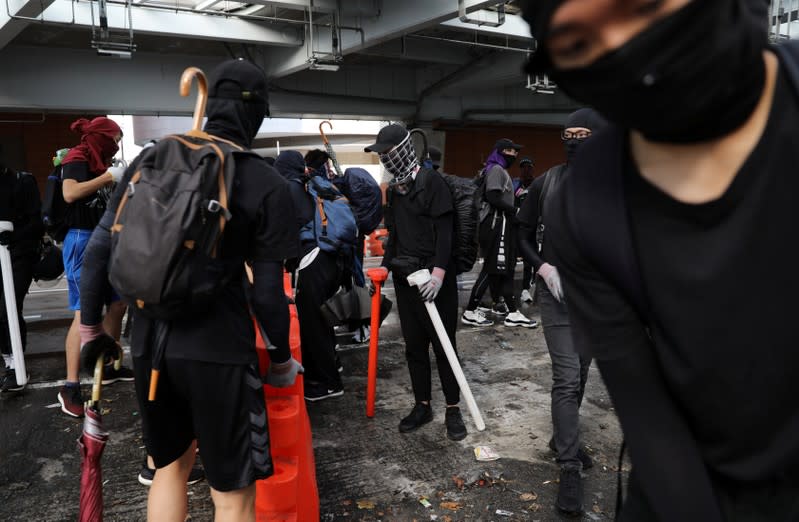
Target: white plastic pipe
x,y
11,309
417,279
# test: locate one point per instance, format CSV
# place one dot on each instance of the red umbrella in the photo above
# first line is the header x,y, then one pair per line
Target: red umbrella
x,y
92,441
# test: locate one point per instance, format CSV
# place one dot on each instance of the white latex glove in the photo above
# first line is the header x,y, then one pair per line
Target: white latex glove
x,y
551,277
283,375
117,172
429,290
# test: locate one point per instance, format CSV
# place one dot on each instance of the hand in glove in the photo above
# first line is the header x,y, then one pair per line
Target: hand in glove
x,y
551,277
283,375
429,291
116,172
6,237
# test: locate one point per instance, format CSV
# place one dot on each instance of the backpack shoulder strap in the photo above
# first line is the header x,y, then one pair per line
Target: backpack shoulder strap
x,y
551,174
788,53
598,215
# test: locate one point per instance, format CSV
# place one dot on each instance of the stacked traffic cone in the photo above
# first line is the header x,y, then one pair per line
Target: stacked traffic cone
x,y
290,494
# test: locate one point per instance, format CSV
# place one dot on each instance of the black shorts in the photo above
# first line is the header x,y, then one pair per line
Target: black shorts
x,y
222,406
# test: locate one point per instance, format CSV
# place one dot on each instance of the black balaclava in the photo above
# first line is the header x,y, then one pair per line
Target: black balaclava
x,y
237,101
694,75
586,118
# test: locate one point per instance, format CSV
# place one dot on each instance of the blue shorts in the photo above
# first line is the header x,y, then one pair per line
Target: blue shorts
x,y
73,250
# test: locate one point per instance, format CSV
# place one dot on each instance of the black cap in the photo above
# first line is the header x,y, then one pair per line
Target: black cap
x,y
238,80
389,137
506,143
435,155
525,160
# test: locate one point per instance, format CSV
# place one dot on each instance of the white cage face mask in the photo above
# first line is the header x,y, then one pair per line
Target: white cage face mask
x,y
400,161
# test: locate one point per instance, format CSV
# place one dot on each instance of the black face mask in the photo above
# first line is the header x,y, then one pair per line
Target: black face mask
x,y
693,76
509,160
571,147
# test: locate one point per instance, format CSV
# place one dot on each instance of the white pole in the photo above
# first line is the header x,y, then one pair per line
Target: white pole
x,y
11,309
417,279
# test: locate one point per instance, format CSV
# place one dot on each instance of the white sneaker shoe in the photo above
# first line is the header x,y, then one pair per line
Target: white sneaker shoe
x,y
526,297
518,319
475,318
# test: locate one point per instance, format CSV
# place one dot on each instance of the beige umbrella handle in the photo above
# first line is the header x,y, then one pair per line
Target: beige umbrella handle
x,y
322,132
202,96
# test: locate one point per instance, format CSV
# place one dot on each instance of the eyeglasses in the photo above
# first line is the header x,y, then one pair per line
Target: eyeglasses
x,y
579,135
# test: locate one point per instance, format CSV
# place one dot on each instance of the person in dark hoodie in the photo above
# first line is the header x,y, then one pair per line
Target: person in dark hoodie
x,y
497,237
316,283
569,369
210,387
674,237
19,204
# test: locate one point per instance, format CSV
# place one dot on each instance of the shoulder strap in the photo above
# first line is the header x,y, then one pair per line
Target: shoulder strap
x,y
788,53
550,176
597,210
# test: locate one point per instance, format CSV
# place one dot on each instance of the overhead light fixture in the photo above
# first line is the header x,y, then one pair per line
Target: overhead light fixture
x,y
540,85
118,53
324,65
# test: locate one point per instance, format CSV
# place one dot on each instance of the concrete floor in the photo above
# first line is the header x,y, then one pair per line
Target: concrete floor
x,y
366,469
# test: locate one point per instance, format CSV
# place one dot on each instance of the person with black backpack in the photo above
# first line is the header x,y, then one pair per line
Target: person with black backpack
x,y
19,204
498,231
674,236
316,283
419,216
569,369
207,385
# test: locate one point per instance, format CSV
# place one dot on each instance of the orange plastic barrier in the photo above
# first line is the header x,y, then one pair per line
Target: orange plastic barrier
x,y
290,494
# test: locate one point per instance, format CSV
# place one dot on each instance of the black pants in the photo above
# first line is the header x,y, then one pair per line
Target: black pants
x,y
527,276
317,283
418,331
569,375
22,263
500,284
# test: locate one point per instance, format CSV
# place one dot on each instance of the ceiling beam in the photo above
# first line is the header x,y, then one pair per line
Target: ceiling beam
x,y
170,23
22,13
394,20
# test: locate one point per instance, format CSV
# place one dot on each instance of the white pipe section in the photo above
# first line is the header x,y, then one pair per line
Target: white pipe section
x,y
417,279
11,309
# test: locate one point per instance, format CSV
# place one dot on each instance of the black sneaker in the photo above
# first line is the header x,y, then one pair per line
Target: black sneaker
x,y
8,382
456,429
420,415
584,457
110,375
317,391
146,475
500,309
570,492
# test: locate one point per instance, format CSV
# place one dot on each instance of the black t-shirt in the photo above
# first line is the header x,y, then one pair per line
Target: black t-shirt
x,y
20,204
418,221
84,213
262,229
721,282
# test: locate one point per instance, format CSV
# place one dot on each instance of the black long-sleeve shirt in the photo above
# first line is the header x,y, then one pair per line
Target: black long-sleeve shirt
x,y
531,210
421,222
21,204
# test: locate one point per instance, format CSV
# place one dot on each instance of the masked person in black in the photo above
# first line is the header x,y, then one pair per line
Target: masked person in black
x,y
210,388
316,283
521,189
672,235
569,369
497,237
419,217
19,204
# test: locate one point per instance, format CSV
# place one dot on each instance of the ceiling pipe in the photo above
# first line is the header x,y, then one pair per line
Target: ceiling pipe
x,y
472,44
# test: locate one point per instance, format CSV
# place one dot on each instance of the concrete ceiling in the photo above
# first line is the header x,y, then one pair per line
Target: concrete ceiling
x,y
414,60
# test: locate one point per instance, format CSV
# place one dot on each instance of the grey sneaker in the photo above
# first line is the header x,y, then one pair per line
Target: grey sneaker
x,y
475,318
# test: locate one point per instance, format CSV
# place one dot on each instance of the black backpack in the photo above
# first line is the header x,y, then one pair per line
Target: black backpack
x,y
464,239
54,207
169,225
